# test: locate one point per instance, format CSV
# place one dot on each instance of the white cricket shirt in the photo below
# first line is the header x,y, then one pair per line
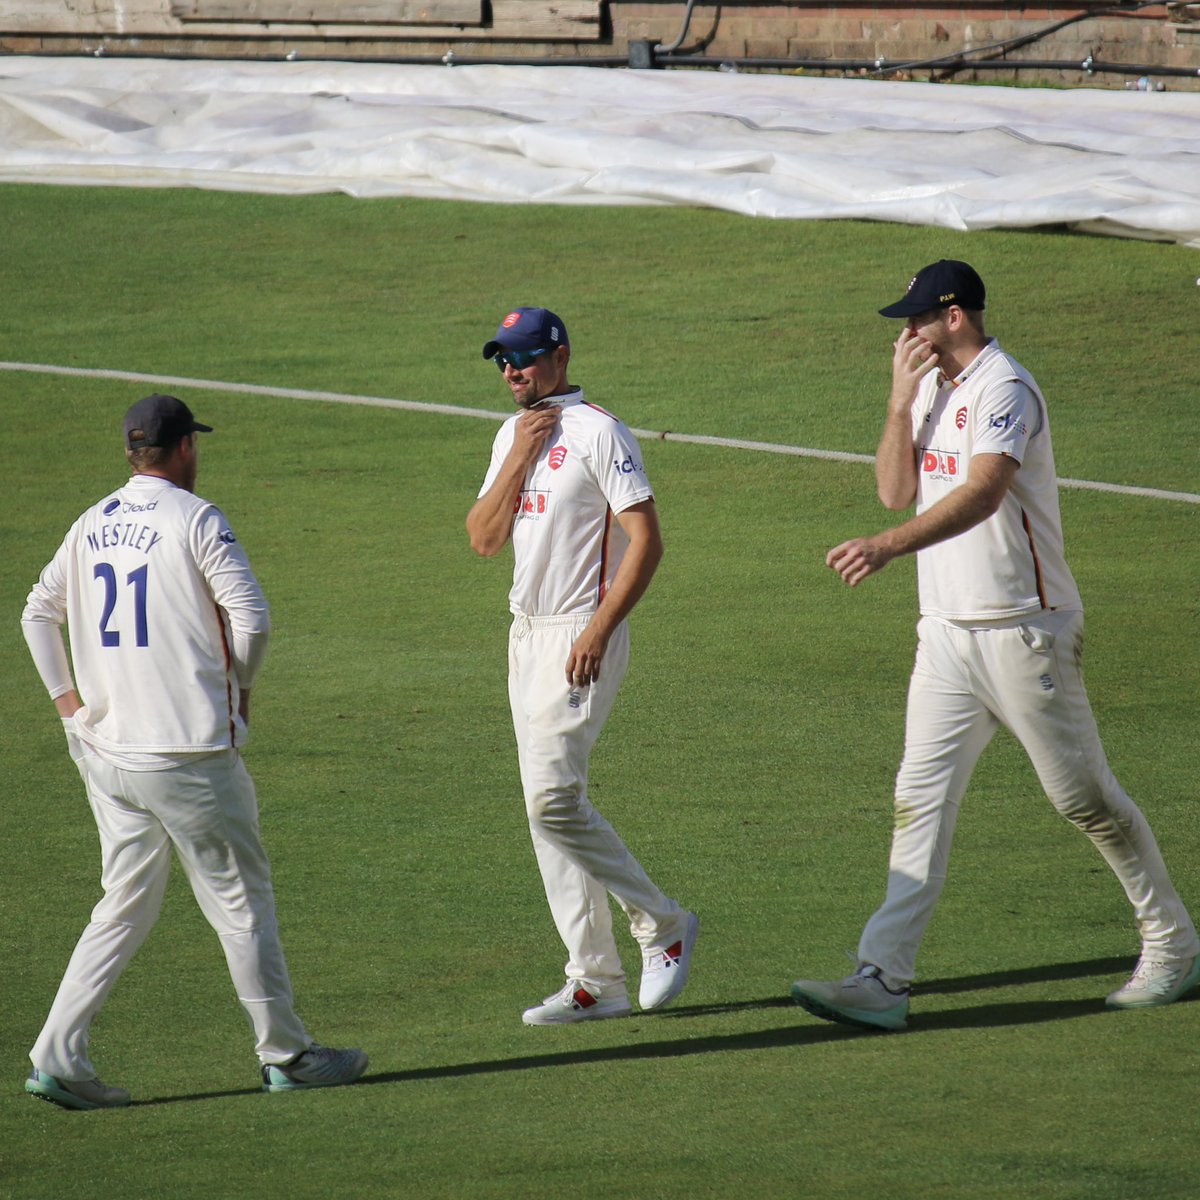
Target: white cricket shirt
x,y
567,543
1011,564
166,623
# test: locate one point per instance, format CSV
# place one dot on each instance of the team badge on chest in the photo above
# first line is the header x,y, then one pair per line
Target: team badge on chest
x,y
558,456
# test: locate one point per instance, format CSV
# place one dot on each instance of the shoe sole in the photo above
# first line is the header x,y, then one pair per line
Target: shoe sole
x,y
307,1087
65,1099
690,936
290,1085
1190,981
827,1012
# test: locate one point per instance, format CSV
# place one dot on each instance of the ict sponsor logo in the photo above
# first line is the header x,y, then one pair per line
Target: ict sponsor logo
x,y
531,505
940,464
628,465
1007,421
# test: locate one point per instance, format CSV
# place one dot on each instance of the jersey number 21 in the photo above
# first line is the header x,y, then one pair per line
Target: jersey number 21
x,y
137,580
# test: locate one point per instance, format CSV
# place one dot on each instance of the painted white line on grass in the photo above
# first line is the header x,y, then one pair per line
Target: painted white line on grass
x,y
456,410
255,389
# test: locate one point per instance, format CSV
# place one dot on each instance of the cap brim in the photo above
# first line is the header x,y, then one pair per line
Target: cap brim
x,y
490,349
903,308
198,428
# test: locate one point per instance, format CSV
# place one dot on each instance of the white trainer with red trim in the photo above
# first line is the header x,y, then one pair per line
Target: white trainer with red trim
x,y
576,1002
665,971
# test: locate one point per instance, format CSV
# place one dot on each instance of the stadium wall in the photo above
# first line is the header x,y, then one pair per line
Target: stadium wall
x,y
1086,44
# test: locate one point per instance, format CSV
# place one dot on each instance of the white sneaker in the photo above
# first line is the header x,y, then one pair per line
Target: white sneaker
x,y
75,1093
665,972
318,1066
1156,981
859,999
575,1002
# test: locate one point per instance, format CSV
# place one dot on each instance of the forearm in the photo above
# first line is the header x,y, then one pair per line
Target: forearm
x,y
489,523
249,654
962,509
896,462
987,483
45,643
628,585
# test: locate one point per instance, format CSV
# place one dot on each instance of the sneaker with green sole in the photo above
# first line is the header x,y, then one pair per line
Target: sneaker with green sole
x,y
318,1066
75,1093
1155,982
861,999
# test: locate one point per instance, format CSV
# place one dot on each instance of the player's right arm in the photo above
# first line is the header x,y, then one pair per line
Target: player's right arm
x,y
41,623
896,457
490,521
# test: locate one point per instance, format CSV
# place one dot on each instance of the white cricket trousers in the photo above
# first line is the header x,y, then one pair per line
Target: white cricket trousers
x,y
966,683
580,855
208,812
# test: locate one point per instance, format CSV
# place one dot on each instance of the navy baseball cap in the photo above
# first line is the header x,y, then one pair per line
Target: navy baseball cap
x,y
946,281
528,329
160,420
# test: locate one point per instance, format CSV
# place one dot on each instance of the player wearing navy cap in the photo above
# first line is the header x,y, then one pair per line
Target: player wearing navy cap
x,y
1000,642
168,628
568,486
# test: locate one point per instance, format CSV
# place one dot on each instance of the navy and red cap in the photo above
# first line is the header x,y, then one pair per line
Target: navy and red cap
x,y
528,329
944,282
160,420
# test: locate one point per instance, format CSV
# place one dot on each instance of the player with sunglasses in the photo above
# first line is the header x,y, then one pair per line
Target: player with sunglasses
x,y
567,485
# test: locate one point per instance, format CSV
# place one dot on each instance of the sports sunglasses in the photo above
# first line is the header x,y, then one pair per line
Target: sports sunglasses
x,y
519,359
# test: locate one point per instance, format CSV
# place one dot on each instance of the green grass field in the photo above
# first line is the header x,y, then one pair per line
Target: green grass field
x,y
749,762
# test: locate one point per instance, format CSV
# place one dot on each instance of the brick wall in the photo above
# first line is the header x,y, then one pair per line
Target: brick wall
x,y
850,37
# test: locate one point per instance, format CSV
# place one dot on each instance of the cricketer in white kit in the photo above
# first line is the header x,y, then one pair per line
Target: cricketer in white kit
x,y
568,486
1000,642
168,628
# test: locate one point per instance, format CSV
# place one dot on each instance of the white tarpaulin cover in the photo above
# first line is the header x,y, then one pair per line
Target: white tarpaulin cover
x,y
1116,162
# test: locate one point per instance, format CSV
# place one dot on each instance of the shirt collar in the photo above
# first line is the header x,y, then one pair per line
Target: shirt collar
x,y
982,357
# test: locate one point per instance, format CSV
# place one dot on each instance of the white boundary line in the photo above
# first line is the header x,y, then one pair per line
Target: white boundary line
x,y
455,410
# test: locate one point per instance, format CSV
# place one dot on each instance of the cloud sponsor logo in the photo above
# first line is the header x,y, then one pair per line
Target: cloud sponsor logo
x,y
111,507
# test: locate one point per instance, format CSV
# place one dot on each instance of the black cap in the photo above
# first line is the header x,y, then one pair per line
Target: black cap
x,y
528,329
160,420
944,282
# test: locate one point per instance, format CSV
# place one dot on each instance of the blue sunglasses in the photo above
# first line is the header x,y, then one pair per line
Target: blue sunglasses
x,y
519,359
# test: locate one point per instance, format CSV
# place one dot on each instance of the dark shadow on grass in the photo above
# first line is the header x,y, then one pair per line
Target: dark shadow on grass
x,y
1045,973
810,1032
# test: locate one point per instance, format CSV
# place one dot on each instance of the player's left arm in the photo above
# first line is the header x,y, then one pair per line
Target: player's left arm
x,y
642,556
989,476
226,569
